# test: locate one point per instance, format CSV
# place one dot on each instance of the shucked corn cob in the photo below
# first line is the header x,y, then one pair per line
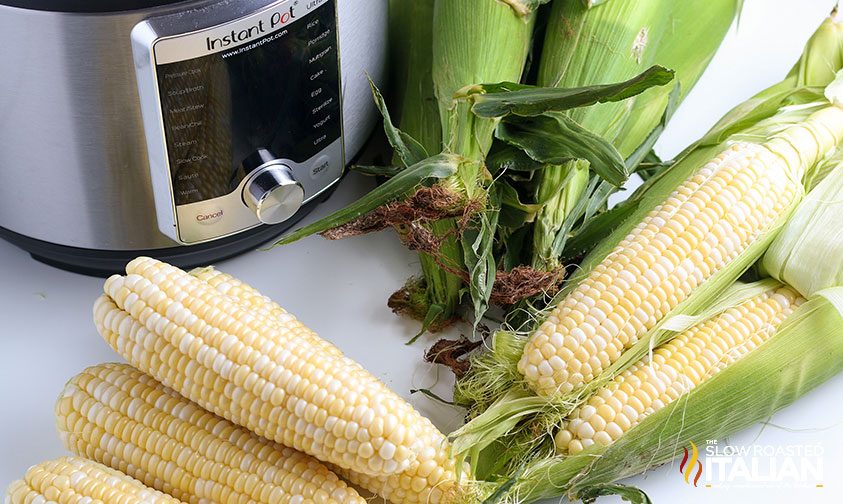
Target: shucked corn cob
x,y
78,481
257,372
266,373
703,226
118,416
676,368
410,486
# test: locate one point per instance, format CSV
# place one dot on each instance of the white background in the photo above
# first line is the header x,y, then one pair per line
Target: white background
x,y
339,289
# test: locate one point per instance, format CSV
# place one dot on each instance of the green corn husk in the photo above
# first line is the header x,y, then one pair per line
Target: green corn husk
x,y
411,71
476,42
413,95
505,410
614,41
806,351
808,254
588,45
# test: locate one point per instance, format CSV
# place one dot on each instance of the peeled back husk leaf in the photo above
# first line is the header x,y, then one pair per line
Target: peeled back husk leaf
x,y
806,351
808,253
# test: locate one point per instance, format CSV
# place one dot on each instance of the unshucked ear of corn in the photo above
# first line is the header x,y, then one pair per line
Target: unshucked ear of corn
x,y
685,238
725,374
473,42
265,371
118,416
589,45
479,49
71,480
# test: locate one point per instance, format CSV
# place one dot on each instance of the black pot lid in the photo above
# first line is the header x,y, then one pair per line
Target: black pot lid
x,y
87,5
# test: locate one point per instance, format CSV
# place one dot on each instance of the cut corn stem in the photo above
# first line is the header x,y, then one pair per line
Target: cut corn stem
x,y
261,369
118,416
73,480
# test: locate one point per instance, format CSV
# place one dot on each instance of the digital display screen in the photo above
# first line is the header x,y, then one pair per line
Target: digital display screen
x,y
279,91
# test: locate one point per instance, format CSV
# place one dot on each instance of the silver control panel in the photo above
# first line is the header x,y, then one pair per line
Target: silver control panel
x,y
243,113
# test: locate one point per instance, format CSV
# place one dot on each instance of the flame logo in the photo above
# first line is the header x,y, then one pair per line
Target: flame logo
x,y
690,462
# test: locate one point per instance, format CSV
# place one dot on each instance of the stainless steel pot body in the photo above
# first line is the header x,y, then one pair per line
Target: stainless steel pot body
x,y
74,167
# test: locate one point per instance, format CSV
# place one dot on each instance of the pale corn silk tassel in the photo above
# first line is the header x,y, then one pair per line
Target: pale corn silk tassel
x,y
73,480
264,370
704,225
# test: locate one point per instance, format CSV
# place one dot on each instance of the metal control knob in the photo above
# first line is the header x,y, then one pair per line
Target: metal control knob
x,y
273,194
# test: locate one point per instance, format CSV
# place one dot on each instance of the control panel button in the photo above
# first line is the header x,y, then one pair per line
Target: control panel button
x,y
321,167
273,194
210,216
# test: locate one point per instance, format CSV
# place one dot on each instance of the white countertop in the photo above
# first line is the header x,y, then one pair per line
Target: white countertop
x,y
340,289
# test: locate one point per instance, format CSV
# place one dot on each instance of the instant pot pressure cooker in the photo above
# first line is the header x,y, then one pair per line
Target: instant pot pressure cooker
x,y
187,130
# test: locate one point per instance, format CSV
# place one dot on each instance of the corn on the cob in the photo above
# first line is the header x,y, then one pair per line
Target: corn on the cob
x,y
676,368
256,372
118,416
417,483
73,480
265,374
251,299
801,353
704,225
